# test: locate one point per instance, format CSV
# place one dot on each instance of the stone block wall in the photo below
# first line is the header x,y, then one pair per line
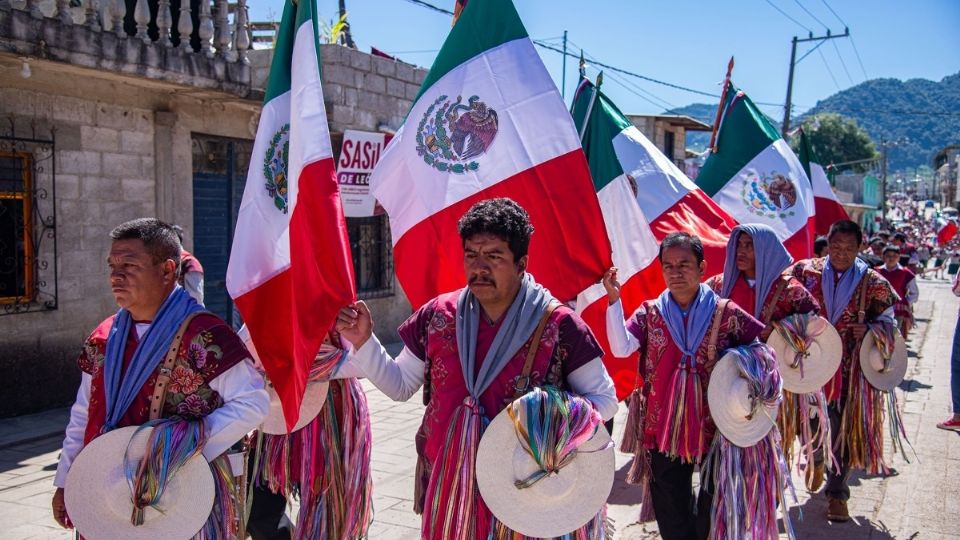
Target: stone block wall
x,y
122,152
104,175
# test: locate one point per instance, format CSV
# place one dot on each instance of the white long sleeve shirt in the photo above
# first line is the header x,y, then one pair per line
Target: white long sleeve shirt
x,y
245,405
401,377
622,342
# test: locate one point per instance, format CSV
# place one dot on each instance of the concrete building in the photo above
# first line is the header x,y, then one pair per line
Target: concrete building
x,y
860,196
668,132
107,115
946,167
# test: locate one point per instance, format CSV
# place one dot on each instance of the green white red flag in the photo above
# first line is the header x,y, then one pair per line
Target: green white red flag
x,y
754,175
826,205
489,122
290,266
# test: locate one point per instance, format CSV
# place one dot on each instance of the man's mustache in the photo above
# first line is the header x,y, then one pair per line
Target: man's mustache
x,y
481,280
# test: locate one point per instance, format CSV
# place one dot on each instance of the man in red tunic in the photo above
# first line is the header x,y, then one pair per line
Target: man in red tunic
x,y
905,283
673,335
212,378
468,350
851,295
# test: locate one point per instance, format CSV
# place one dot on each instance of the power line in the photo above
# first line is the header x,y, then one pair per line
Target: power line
x,y
830,71
630,73
785,14
432,7
852,41
807,11
834,13
842,63
625,82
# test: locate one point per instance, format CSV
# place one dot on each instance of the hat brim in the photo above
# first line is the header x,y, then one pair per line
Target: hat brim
x,y
887,380
313,399
554,506
98,497
825,355
734,426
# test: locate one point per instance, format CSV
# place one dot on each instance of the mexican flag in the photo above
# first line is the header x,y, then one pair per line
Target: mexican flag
x,y
946,230
603,128
753,175
826,206
290,267
489,122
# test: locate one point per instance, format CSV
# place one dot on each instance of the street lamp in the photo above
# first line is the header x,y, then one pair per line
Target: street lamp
x,y
884,146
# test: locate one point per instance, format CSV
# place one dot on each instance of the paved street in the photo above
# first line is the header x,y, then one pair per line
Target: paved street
x,y
918,502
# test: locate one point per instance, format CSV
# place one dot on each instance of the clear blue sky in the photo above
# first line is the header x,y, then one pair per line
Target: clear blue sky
x,y
688,42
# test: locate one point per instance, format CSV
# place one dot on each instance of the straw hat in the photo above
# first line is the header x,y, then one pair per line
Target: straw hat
x,y
881,375
822,359
728,395
98,497
313,400
557,504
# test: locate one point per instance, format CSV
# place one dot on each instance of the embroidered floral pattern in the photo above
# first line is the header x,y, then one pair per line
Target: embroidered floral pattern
x,y
183,380
193,406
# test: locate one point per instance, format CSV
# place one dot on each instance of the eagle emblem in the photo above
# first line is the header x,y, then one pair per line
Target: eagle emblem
x,y
275,167
772,196
452,133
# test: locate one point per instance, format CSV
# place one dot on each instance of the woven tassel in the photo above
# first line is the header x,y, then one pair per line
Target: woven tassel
x,y
170,445
787,422
421,478
862,425
453,481
683,416
898,433
750,483
633,428
224,520
797,420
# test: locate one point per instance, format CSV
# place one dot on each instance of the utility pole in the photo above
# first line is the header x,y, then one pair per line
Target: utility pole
x,y
563,80
883,183
793,62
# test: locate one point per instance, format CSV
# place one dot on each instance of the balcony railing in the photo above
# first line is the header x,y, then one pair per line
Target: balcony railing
x,y
200,43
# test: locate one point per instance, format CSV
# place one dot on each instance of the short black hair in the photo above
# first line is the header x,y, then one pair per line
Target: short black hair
x,y
158,237
900,236
876,240
501,217
845,226
819,244
684,240
179,230
890,247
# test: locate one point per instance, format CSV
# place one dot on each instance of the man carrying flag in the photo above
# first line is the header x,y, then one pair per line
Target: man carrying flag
x,y
753,175
827,209
489,122
636,183
290,266
474,350
946,230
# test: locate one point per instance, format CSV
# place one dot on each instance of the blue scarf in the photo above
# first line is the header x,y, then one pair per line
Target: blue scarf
x,y
688,336
518,325
770,257
836,295
150,352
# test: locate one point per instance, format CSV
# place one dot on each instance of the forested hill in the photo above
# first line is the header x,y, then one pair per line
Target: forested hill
x,y
926,113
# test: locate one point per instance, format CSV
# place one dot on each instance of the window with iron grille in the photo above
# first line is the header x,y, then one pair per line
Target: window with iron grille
x,y
16,231
28,244
372,251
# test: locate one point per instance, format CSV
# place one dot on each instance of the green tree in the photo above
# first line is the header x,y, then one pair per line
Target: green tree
x,y
837,139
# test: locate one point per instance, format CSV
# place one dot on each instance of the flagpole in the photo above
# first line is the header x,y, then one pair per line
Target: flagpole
x,y
723,99
593,99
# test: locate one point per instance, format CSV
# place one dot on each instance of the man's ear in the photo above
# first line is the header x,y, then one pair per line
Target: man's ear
x,y
169,270
703,267
522,263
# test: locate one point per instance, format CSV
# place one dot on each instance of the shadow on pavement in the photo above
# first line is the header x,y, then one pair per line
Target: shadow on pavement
x,y
624,493
912,385
814,523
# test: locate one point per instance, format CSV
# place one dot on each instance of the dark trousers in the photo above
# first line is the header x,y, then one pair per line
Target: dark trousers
x,y
836,485
266,511
680,515
955,369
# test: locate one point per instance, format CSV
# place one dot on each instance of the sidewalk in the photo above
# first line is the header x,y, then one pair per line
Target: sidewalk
x,y
919,502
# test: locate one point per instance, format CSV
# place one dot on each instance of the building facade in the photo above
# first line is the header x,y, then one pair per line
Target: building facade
x,y
107,115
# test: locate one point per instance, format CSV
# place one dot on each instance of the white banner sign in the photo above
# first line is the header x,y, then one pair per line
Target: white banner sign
x,y
359,154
